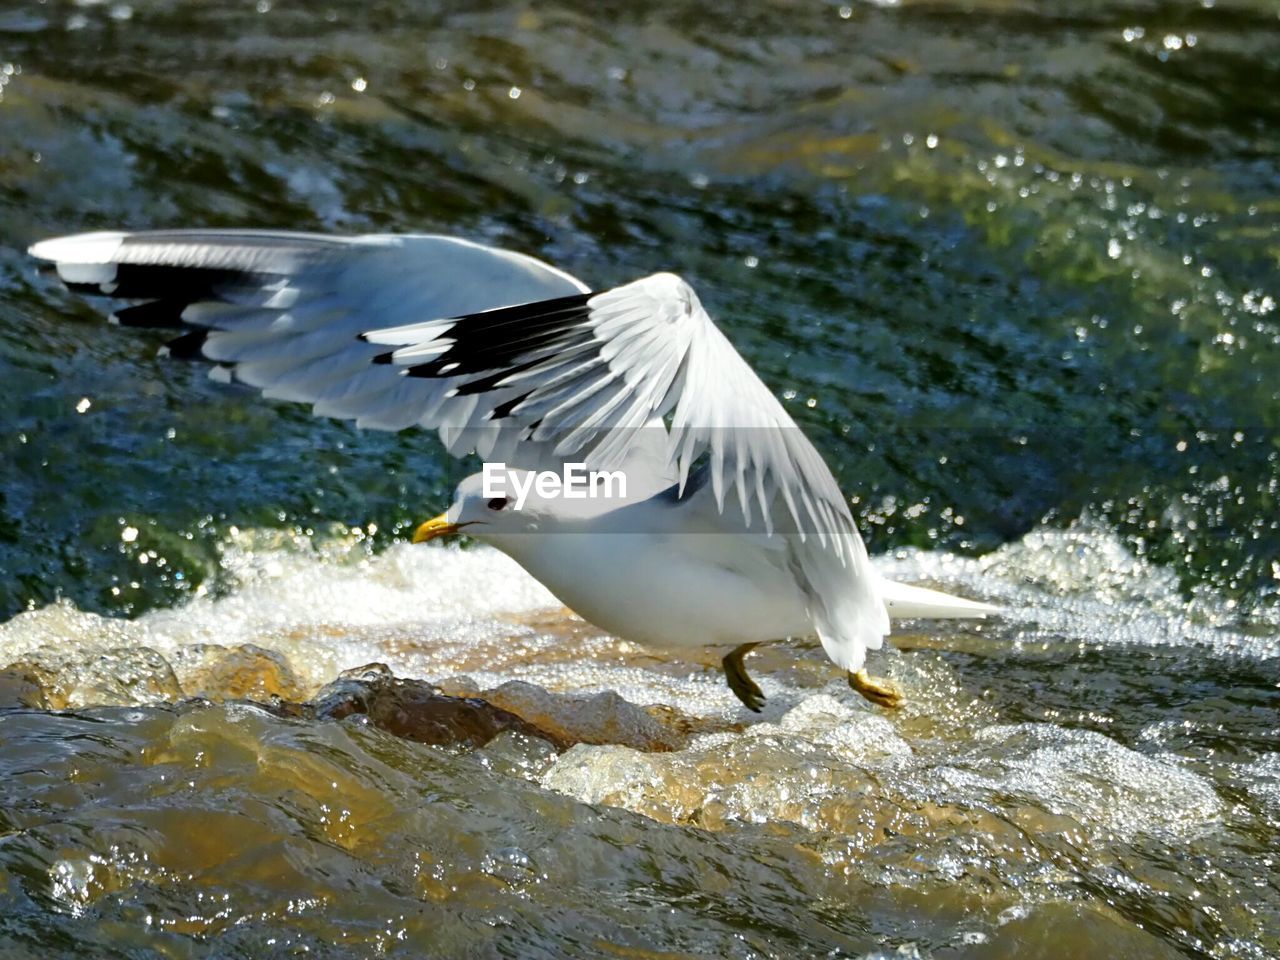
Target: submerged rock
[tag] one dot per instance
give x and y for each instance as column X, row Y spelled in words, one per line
column 242, row 672
column 600, row 718
column 21, row 687
column 141, row 676
column 416, row 710
column 117, row 676
column 811, row 768
column 89, row 675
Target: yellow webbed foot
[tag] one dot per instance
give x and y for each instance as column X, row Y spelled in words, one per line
column 878, row 690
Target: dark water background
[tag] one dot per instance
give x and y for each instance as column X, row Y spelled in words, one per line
column 1014, row 266
column 960, row 301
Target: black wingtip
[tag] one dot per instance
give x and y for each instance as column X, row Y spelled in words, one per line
column 83, row 289
column 507, row 407
column 385, row 358
column 156, row 314
column 189, row 346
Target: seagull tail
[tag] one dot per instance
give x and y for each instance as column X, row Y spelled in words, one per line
column 904, row 601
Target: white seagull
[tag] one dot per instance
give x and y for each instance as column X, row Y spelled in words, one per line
column 731, row 530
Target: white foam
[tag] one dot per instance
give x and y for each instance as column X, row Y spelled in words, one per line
column 323, row 612
column 1083, row 584
column 437, row 612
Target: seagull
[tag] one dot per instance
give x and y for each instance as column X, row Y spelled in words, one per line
column 725, row 527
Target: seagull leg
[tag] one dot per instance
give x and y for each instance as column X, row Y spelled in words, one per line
column 742, row 685
column 878, row 690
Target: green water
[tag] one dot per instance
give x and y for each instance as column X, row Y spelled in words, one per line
column 1014, row 267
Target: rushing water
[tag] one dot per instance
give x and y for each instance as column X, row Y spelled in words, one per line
column 1013, row 267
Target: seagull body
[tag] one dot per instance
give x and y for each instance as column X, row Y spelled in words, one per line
column 690, row 579
column 731, row 530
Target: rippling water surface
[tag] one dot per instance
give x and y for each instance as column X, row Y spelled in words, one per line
column 1013, row 266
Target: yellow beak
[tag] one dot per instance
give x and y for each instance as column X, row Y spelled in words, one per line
column 435, row 527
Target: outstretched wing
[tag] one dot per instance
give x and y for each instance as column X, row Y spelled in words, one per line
column 283, row 311
column 504, row 355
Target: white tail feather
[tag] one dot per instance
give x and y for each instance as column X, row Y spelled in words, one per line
column 904, row 601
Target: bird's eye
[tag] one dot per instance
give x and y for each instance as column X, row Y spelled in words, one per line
column 497, row 503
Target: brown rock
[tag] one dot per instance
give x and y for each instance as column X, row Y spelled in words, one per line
column 245, row 672
column 416, row 710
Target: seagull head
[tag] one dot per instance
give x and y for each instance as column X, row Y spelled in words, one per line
column 487, row 517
